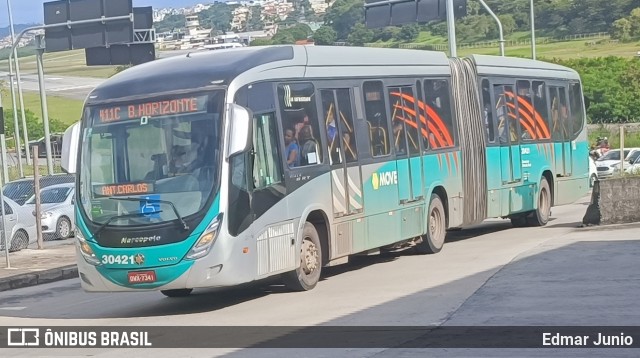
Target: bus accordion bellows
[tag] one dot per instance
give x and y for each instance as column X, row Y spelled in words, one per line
column 226, row 167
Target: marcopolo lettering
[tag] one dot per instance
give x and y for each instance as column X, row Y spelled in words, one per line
column 140, row 239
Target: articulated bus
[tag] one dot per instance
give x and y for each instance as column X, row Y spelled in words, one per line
column 221, row 168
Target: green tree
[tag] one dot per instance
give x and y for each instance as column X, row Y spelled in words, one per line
column 35, row 127
column 343, row 15
column 634, row 22
column 621, row 29
column 171, row 23
column 261, row 42
column 408, row 33
column 255, row 22
column 612, row 84
column 360, row 35
column 325, row 35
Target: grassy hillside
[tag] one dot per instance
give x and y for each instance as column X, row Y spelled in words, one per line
column 67, row 63
column 63, row 109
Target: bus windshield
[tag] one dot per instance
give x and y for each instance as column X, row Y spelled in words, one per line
column 155, row 157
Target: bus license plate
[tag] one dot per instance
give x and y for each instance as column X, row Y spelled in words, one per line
column 142, row 277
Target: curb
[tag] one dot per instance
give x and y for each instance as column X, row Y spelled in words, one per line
column 38, row 278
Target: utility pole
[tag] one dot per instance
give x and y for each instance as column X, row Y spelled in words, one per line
column 43, row 101
column 533, row 32
column 19, row 81
column 451, row 29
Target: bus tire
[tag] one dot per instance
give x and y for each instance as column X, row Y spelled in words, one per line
column 307, row 274
column 183, row 292
column 540, row 216
column 433, row 240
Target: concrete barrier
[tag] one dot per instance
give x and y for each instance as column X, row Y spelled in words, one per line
column 619, row 200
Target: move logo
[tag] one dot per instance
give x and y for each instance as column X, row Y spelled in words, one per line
column 384, row 179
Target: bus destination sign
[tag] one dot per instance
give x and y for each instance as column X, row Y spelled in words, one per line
column 168, row 107
column 123, row 189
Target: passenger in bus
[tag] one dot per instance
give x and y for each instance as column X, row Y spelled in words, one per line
column 292, row 151
column 299, row 124
column 398, row 137
column 309, row 151
column 349, row 150
column 178, row 164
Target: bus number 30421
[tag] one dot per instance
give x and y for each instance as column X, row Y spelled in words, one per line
column 118, row 259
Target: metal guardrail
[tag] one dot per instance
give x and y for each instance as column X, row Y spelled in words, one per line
column 487, row 44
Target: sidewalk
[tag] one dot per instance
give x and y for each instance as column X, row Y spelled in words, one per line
column 29, row 267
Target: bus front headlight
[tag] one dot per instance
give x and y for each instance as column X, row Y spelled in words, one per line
column 86, row 250
column 206, row 240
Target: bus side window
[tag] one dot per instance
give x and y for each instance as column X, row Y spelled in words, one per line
column 338, row 118
column 439, row 117
column 376, row 115
column 487, row 112
column 526, row 115
column 540, row 105
column 577, row 108
column 299, row 114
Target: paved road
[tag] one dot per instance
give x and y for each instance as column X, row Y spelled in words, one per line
column 488, row 275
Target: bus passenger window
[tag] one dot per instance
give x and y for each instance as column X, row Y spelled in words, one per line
column 487, row 112
column 439, row 116
column 346, row 125
column 541, row 110
column 376, row 115
column 405, row 121
column 526, row 114
column 299, row 114
column 577, row 108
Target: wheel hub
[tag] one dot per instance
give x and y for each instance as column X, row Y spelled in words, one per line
column 309, row 256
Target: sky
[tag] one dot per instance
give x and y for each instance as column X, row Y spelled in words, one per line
column 31, row 11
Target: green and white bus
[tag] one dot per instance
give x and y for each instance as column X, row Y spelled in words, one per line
column 224, row 167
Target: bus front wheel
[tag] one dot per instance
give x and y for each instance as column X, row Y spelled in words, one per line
column 184, row 292
column 307, row 275
column 433, row 241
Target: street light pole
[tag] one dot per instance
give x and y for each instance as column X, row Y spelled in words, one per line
column 15, row 57
column 533, row 33
column 451, row 29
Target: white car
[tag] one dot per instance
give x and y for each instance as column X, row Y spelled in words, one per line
column 593, row 172
column 57, row 210
column 19, row 226
column 634, row 168
column 608, row 163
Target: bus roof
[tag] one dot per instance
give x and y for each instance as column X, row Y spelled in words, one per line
column 513, row 66
column 207, row 68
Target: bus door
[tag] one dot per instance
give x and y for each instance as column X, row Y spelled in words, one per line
column 561, row 130
column 346, row 181
column 406, row 142
column 508, row 133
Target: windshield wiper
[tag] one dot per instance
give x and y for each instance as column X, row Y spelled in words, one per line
column 123, row 216
column 184, row 223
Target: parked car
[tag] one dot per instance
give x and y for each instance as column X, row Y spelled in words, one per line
column 634, row 168
column 55, row 140
column 19, row 226
column 57, row 210
column 593, row 172
column 611, row 160
column 22, row 189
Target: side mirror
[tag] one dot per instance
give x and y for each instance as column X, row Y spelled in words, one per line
column 241, row 120
column 70, row 143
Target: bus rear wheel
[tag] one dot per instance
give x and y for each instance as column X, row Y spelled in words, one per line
column 540, row 216
column 183, row 292
column 307, row 275
column 433, row 241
